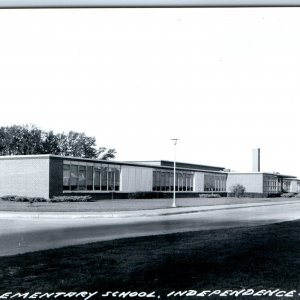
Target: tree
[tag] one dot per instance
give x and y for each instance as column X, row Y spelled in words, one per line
column 29, row 139
column 238, row 190
column 106, row 154
column 20, row 140
column 51, row 143
column 77, row 144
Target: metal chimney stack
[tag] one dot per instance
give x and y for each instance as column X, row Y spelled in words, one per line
column 256, row 160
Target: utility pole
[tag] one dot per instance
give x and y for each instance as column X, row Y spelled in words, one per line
column 174, row 184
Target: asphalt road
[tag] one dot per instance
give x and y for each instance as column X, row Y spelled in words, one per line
column 26, row 232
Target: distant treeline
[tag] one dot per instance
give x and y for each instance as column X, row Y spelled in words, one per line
column 29, row 139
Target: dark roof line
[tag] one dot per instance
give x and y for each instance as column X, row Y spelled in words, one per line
column 170, row 163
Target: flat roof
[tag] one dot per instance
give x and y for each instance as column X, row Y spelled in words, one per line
column 266, row 173
column 25, row 156
column 169, row 163
column 163, row 164
column 160, row 164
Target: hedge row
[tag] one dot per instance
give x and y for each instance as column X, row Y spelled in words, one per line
column 210, row 196
column 146, row 195
column 23, row 199
column 136, row 195
column 71, row 199
column 40, row 199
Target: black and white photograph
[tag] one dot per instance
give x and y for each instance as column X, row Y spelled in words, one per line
column 149, row 149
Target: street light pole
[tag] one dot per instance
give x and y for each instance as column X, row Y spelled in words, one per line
column 174, row 184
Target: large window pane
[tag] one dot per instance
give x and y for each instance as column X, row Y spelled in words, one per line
column 74, row 177
column 117, row 179
column 176, row 181
column 167, row 181
column 172, row 181
column 185, row 176
column 156, row 180
column 89, row 178
column 97, row 179
column 214, row 182
column 66, row 177
column 164, row 181
column 180, row 181
column 82, row 178
column 272, row 184
column 208, row 183
column 111, row 179
column 104, row 182
column 189, row 183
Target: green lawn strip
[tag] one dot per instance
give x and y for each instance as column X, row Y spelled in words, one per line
column 253, row 257
column 127, row 205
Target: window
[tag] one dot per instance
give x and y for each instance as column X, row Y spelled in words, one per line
column 286, row 185
column 82, row 178
column 190, row 183
column 97, row 172
column 180, row 181
column 96, row 177
column 74, row 177
column 117, row 179
column 66, row 177
column 172, row 181
column 214, row 183
column 111, row 179
column 103, row 178
column 89, row 178
column 272, row 184
column 184, row 186
column 164, row 181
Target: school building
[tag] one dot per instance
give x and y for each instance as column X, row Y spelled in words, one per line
column 50, row 175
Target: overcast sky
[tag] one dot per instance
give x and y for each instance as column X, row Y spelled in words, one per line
column 223, row 81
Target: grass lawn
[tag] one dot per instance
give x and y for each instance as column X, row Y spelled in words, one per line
column 126, row 205
column 254, row 257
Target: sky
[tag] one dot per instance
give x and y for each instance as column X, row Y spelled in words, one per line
column 221, row 80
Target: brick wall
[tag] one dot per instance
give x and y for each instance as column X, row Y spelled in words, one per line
column 252, row 182
column 24, row 176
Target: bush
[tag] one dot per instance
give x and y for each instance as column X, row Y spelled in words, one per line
column 297, row 195
column 9, row 198
column 238, row 190
column 146, row 195
column 209, row 195
column 23, row 199
column 83, row 198
column 287, row 195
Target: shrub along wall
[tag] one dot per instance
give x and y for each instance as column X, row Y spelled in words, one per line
column 140, row 195
column 255, row 195
column 23, row 199
column 210, row 196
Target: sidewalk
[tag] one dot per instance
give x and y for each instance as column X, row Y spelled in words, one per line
column 142, row 213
